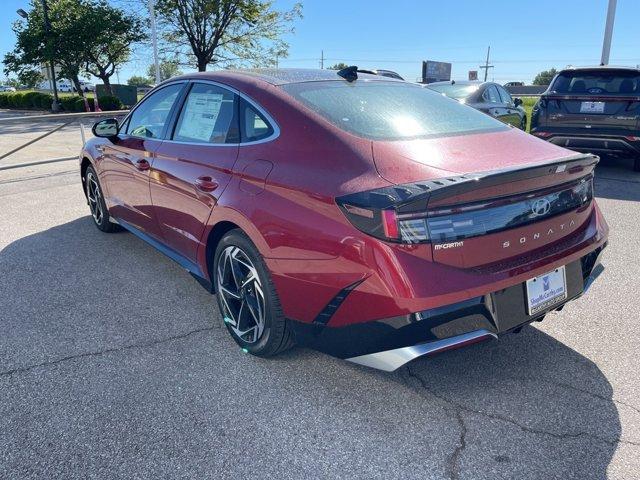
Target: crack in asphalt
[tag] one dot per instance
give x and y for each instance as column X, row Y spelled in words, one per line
column 98, row 353
column 453, row 466
column 462, row 408
column 593, row 394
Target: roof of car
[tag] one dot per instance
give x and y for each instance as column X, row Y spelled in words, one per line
column 281, row 76
column 456, row 82
column 602, row 67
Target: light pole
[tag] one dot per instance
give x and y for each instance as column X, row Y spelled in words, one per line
column 154, row 39
column 608, row 32
column 55, row 105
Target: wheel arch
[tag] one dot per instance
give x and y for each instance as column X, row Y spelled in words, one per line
column 84, row 164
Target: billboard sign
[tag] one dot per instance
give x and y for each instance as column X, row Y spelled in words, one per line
column 435, row 71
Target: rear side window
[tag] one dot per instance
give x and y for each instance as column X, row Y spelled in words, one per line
column 382, row 110
column 597, row 82
column 253, row 125
column 208, row 116
column 150, row 117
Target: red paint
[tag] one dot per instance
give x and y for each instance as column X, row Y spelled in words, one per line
column 282, row 194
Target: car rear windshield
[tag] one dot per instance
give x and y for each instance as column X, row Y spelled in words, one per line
column 455, row 91
column 597, row 82
column 382, row 110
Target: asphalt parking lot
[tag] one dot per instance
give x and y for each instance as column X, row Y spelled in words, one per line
column 114, row 364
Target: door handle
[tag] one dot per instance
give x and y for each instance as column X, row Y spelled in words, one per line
column 142, row 164
column 206, row 184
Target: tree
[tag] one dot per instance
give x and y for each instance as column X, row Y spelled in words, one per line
column 139, row 81
column 114, row 32
column 168, row 69
column 29, row 78
column 87, row 35
column 227, row 32
column 338, row 66
column 545, row 77
column 35, row 47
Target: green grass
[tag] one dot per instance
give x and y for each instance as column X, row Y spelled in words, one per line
column 527, row 104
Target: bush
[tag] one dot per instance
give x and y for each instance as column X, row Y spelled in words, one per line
column 26, row 100
column 109, row 102
column 74, row 103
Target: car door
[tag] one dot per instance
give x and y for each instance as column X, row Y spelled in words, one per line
column 512, row 114
column 128, row 158
column 493, row 103
column 193, row 166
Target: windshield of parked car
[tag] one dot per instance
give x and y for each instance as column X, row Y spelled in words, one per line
column 390, row 110
column 456, row 91
column 597, row 82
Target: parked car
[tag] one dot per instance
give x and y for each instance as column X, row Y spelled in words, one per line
column 514, row 84
column 488, row 97
column 363, row 216
column 7, row 88
column 592, row 109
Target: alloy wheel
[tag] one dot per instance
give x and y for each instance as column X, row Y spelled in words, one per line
column 241, row 294
column 95, row 198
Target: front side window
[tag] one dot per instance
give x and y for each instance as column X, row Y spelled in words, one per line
column 150, row 117
column 382, row 110
column 505, row 96
column 208, row 116
column 491, row 95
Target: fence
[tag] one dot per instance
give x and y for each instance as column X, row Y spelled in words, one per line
column 65, row 118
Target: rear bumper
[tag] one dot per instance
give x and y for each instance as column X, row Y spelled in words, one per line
column 592, row 142
column 389, row 343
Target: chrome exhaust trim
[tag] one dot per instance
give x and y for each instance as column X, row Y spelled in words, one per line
column 391, row 360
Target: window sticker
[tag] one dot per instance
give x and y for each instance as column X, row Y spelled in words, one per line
column 200, row 116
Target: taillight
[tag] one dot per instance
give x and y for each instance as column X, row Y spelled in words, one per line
column 380, row 212
column 401, row 214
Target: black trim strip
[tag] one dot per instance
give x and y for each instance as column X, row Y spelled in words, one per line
column 327, row 312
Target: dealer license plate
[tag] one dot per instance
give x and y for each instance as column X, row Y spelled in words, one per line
column 546, row 290
column 592, row 107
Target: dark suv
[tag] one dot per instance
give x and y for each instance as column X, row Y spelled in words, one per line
column 592, row 109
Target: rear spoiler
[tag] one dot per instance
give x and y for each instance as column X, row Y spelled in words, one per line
column 413, row 197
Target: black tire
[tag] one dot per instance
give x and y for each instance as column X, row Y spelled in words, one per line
column 97, row 206
column 636, row 164
column 276, row 335
column 523, row 124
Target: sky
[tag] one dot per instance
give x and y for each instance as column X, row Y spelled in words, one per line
column 525, row 36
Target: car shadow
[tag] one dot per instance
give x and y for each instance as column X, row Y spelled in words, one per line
column 616, row 180
column 526, row 406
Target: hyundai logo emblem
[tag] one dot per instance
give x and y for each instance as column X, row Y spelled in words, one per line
column 540, row 207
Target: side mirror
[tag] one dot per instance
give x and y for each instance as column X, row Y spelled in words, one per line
column 106, row 128
column 517, row 102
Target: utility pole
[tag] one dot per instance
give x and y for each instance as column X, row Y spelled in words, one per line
column 154, row 39
column 608, row 32
column 321, row 59
column 486, row 66
column 55, row 105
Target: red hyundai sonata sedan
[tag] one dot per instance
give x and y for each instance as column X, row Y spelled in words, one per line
column 359, row 215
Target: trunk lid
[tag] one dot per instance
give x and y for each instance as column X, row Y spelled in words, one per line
column 496, row 197
column 591, row 111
